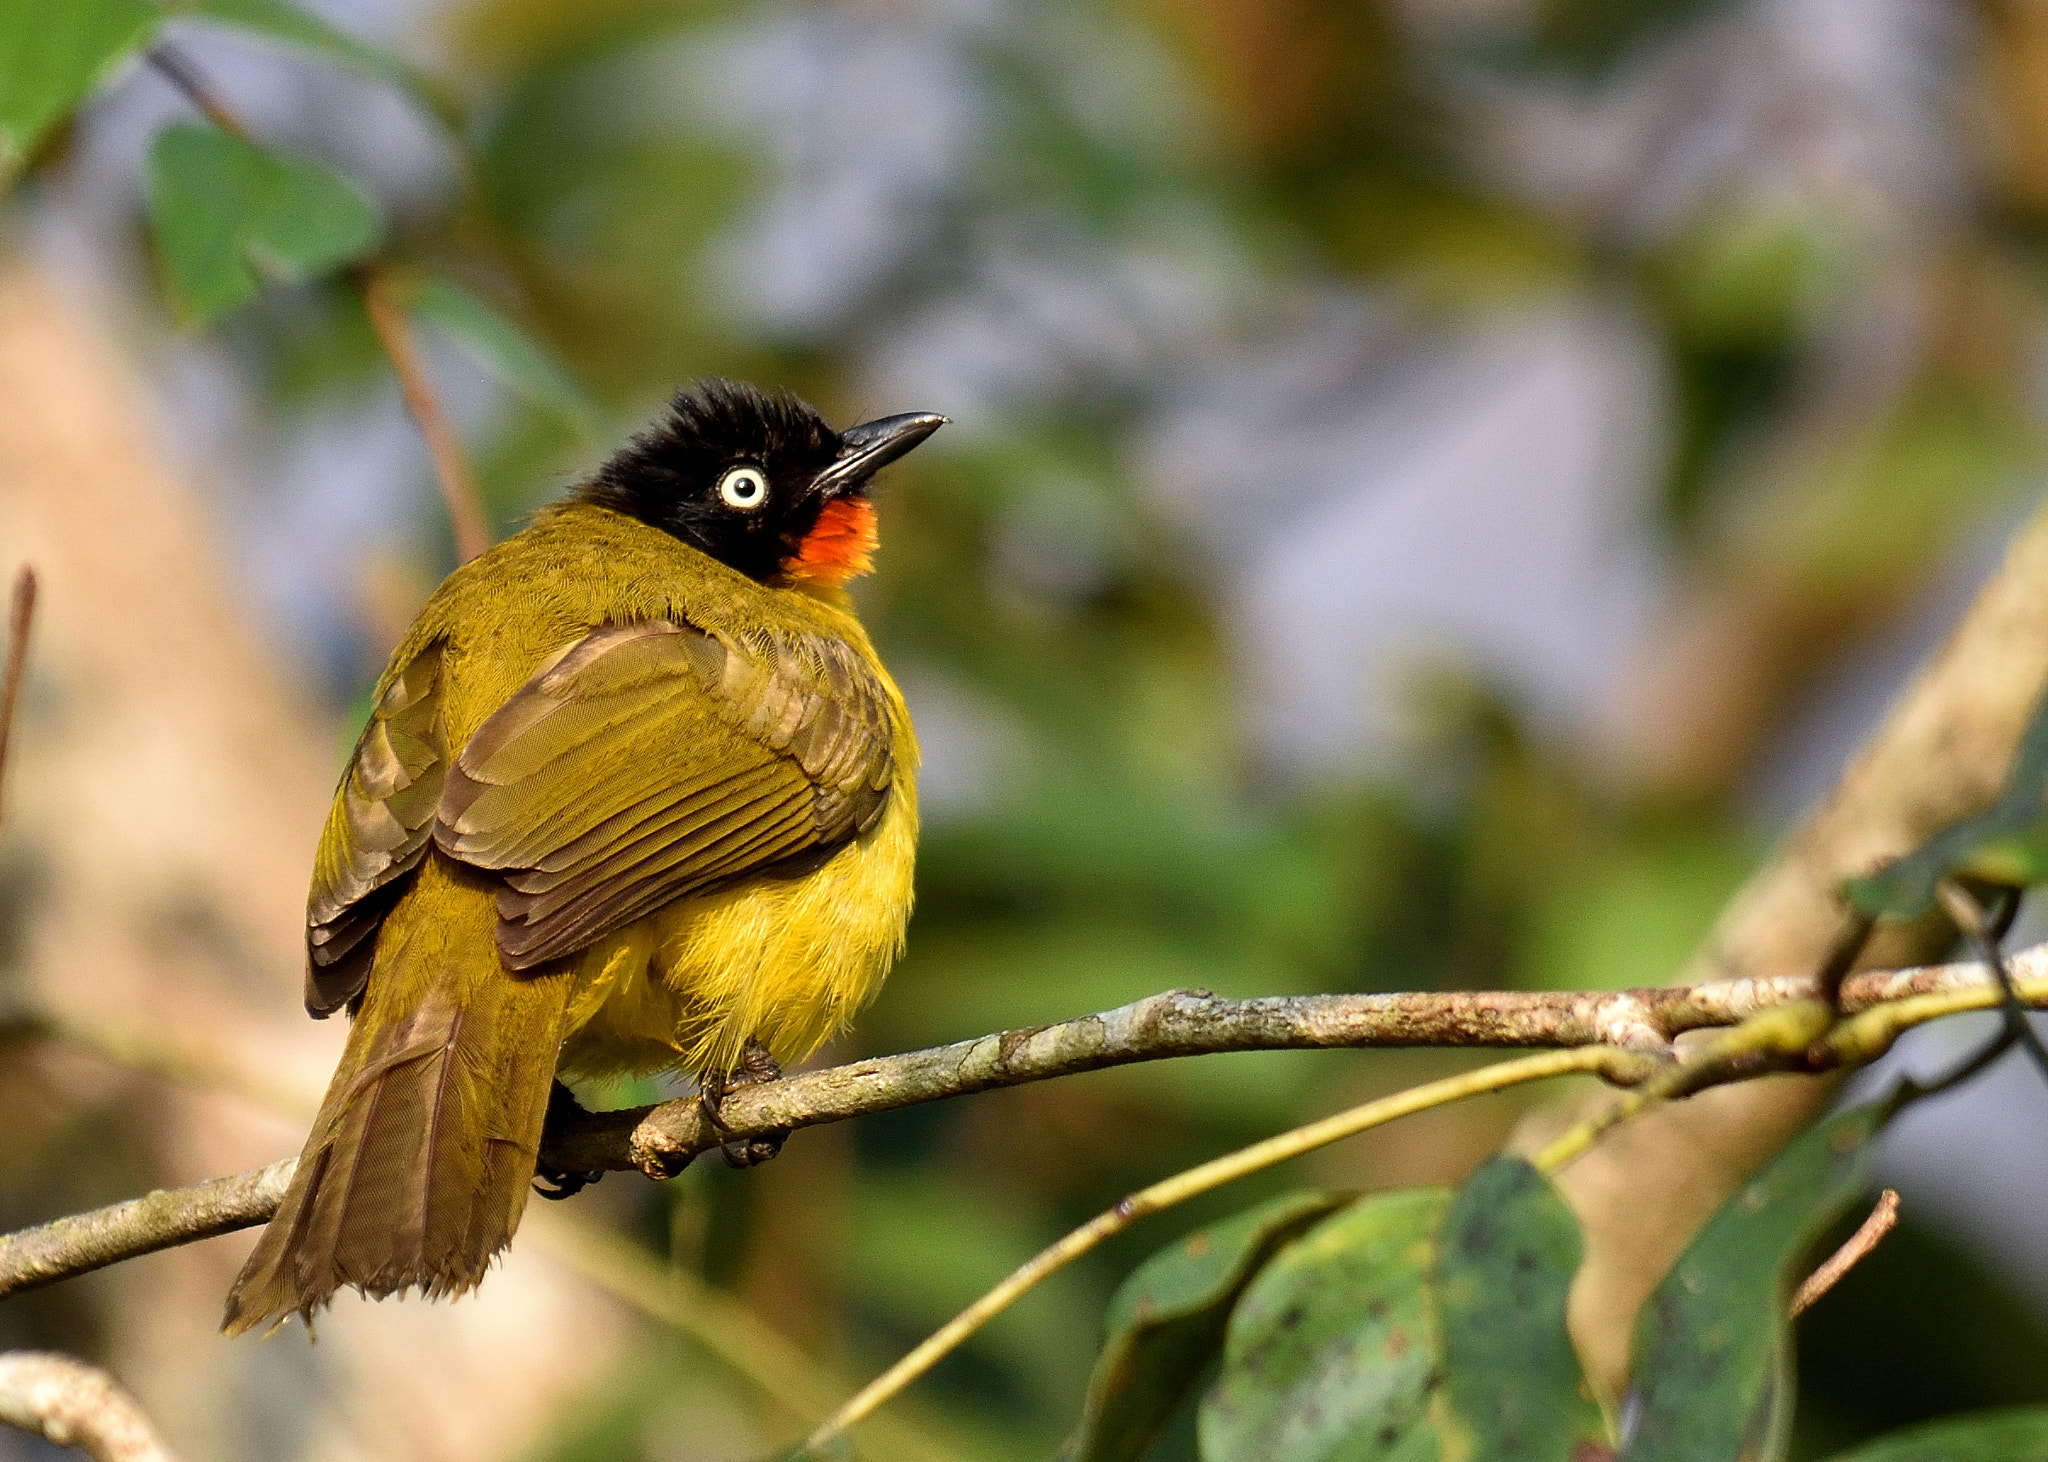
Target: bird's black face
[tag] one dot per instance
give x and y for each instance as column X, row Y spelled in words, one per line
column 748, row 477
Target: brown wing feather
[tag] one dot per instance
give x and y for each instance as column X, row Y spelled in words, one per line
column 652, row 760
column 377, row 831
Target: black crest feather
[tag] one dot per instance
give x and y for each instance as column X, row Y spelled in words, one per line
column 668, row 475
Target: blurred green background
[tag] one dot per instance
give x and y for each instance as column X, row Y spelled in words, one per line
column 1436, row 486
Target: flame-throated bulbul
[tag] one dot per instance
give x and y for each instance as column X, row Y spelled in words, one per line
column 635, row 795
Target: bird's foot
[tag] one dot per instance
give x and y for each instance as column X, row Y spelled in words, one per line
column 556, row 1185
column 756, row 1066
column 552, row 1182
column 754, row 1151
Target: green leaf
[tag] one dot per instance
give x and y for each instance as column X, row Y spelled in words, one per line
column 281, row 21
column 2017, row 1435
column 1513, row 1386
column 1713, row 1363
column 497, row 345
column 2006, row 843
column 222, row 206
column 1331, row 1352
column 1166, row 1323
column 52, row 54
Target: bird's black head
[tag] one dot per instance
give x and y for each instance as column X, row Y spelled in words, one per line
column 757, row 480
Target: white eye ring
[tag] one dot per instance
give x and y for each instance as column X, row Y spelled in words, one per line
column 743, row 487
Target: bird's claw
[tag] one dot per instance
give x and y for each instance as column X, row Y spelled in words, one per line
column 555, row 1185
column 756, row 1066
column 752, row 1152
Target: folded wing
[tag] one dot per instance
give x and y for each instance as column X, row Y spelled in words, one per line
column 377, row 831
column 654, row 760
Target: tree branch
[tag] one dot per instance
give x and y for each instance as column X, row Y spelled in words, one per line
column 76, row 1405
column 452, row 474
column 161, row 1220
column 467, row 520
column 661, row 1140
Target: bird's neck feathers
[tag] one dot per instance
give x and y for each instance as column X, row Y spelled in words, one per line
column 840, row 546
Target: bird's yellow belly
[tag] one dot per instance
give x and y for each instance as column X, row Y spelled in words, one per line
column 783, row 961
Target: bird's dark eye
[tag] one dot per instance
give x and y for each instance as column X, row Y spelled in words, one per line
column 744, row 488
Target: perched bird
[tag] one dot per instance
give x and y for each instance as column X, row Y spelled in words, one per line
column 636, row 795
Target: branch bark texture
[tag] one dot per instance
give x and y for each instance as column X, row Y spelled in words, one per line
column 76, row 1405
column 160, row 1220
column 661, row 1140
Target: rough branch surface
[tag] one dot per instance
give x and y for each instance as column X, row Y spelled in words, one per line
column 76, row 1405
column 160, row 1220
column 661, row 1140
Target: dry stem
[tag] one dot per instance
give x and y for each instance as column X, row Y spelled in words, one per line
column 76, row 1405
column 452, row 474
column 182, row 74
column 1867, row 1237
column 451, row 464
column 20, row 614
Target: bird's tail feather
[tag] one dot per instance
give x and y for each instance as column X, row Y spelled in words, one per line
column 419, row 1164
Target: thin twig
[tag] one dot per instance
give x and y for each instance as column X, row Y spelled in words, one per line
column 452, row 472
column 2008, row 911
column 1867, row 1237
column 1842, row 957
column 20, row 615
column 1607, row 1061
column 76, row 1405
column 181, row 73
column 1807, row 1035
column 1780, row 1039
column 1968, row 1069
column 1962, row 906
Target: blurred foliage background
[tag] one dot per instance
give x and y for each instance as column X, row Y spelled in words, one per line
column 1436, row 485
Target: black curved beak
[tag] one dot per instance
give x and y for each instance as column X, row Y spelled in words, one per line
column 872, row 446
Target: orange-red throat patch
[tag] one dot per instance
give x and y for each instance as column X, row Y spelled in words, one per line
column 840, row 545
